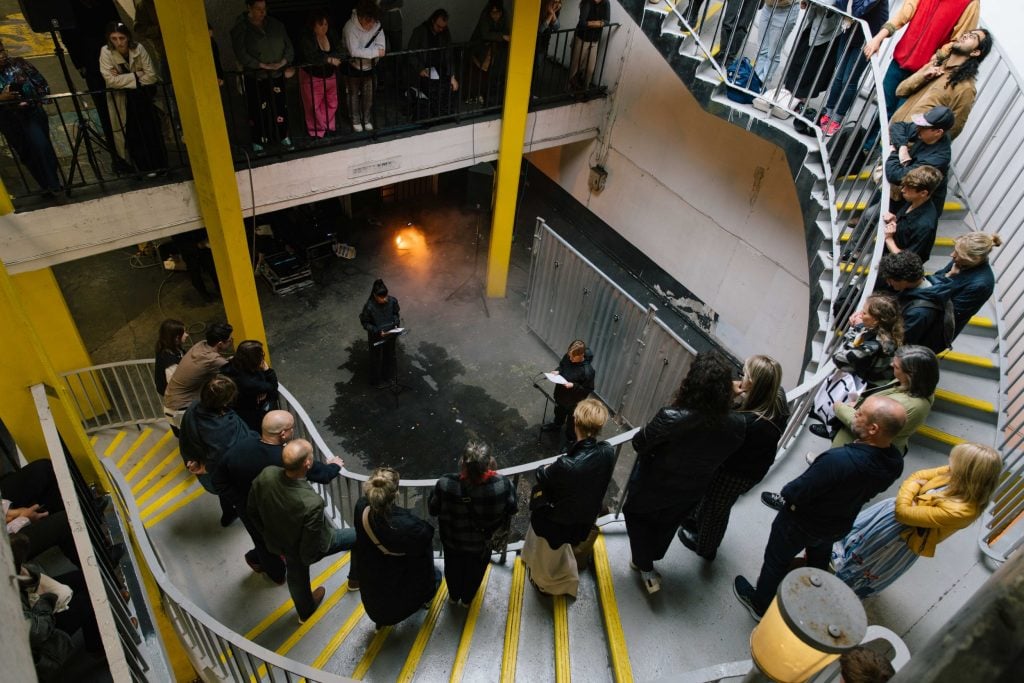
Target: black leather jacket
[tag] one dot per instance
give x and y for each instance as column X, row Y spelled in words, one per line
column 677, row 454
column 582, row 377
column 576, row 484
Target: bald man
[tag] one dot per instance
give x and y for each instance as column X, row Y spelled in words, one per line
column 822, row 503
column 242, row 463
column 289, row 514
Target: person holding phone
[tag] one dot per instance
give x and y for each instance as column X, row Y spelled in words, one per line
column 23, row 121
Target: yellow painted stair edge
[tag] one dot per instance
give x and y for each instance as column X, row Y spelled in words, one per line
column 967, row 359
column 966, row 401
column 939, row 435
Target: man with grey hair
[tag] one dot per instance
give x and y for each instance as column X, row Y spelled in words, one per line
column 243, row 462
column 289, row 514
column 820, row 506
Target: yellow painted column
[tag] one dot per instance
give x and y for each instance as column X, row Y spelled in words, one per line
column 183, row 25
column 510, row 149
column 24, row 361
column 48, row 313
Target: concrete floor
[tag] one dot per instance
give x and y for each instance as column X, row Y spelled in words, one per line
column 469, row 362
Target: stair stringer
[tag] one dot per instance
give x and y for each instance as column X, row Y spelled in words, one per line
column 806, row 157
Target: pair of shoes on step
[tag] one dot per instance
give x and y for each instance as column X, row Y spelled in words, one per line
column 780, row 105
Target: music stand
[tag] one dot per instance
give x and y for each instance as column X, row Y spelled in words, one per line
column 548, row 398
column 394, row 387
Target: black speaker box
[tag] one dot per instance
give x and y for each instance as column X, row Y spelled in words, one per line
column 44, row 16
column 480, row 186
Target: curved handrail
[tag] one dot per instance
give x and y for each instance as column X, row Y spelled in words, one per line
column 219, row 643
column 874, row 113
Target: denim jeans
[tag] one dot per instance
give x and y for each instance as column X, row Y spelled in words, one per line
column 785, row 541
column 298, row 573
column 847, row 82
column 774, row 24
column 894, row 75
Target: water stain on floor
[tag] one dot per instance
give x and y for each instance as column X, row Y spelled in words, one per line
column 422, row 430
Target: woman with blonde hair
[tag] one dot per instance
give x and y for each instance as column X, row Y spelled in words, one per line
column 395, row 553
column 762, row 404
column 931, row 506
column 968, row 278
column 566, row 502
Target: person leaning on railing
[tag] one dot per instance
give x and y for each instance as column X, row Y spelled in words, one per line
column 431, row 64
column 594, row 16
column 320, row 50
column 129, row 75
column 950, row 83
column 931, row 26
column 488, row 53
column 263, row 48
column 932, row 505
column 24, row 122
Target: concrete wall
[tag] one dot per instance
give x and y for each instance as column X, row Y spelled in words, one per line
column 713, row 205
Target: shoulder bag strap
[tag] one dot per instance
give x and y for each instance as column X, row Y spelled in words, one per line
column 373, row 536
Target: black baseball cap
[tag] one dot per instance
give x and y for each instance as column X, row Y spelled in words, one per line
column 936, row 117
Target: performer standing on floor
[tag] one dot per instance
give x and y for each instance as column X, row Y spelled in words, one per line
column 578, row 373
column 379, row 318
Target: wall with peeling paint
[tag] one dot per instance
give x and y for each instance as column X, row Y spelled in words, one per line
column 713, row 205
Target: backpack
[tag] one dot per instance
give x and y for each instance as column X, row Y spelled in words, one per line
column 943, row 336
column 741, row 73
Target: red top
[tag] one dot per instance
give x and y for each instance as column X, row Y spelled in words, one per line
column 930, row 29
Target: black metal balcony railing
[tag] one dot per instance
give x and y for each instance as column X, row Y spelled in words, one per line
column 131, row 138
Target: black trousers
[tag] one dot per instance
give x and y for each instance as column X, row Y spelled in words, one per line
column 651, row 533
column 383, row 360
column 463, row 573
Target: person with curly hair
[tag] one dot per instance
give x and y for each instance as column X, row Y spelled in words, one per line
column 762, row 404
column 950, row 82
column 677, row 453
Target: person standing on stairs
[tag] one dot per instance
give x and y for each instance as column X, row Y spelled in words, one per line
column 913, row 226
column 916, row 369
column 202, row 362
column 285, row 509
column 209, row 428
column 822, row 503
column 395, row 551
column 968, row 278
column 932, row 505
column 170, row 349
column 472, row 506
column 565, row 503
column 762, row 404
column 927, row 311
column 594, row 16
column 950, row 82
column 922, row 141
column 239, row 467
column 677, row 454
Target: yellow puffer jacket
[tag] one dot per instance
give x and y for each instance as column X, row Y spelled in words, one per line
column 920, row 504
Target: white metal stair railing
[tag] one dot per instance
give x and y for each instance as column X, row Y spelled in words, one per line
column 990, row 174
column 830, row 170
column 131, row 642
column 215, row 650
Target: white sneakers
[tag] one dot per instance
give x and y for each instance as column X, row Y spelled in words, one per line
column 778, row 106
column 357, row 127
